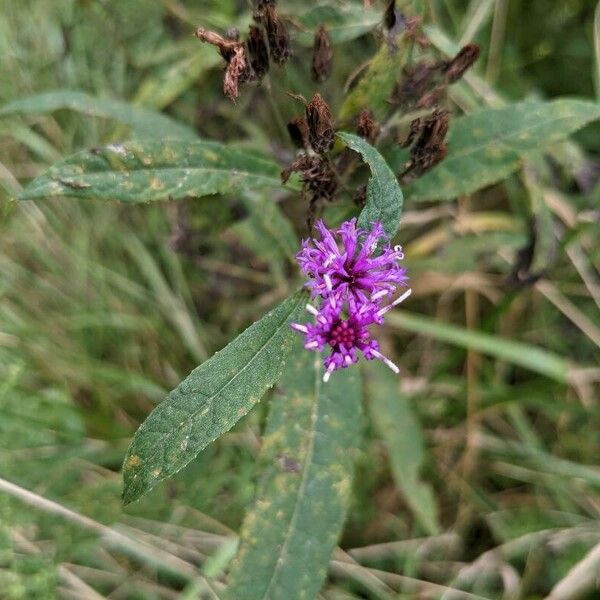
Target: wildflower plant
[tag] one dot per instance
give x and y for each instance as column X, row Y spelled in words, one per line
column 354, row 274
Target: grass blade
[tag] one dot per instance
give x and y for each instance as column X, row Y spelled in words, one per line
column 526, row 356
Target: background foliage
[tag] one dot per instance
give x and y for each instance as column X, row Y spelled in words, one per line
column 478, row 471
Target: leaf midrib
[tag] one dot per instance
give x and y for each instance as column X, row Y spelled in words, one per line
column 210, row 399
column 145, row 170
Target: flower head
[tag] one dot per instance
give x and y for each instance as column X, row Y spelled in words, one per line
column 354, row 273
column 345, row 335
column 349, row 266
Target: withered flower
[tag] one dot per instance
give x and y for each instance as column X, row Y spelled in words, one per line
column 320, row 125
column 424, row 84
column 258, row 52
column 418, row 81
column 298, row 130
column 277, row 35
column 429, row 146
column 318, row 177
column 466, row 56
column 234, row 73
column 316, row 173
column 367, row 127
column 233, row 51
column 322, row 55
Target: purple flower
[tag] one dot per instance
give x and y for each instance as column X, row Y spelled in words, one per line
column 350, row 266
column 346, row 335
column 352, row 275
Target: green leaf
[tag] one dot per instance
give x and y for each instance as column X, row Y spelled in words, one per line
column 307, row 457
column 486, row 146
column 401, row 431
column 145, row 123
column 525, row 355
column 210, row 400
column 163, row 88
column 344, row 23
column 145, row 171
column 384, row 196
column 375, row 87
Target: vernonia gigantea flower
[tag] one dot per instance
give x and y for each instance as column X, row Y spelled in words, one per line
column 353, row 277
column 350, row 266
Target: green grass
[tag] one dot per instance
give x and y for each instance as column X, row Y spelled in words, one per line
column 100, row 317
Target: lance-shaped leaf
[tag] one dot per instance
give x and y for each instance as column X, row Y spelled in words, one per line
column 488, row 145
column 384, row 196
column 376, row 86
column 307, row 461
column 146, row 171
column 210, row 400
column 401, row 431
column 144, row 123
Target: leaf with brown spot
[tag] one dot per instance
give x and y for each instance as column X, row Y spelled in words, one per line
column 306, row 462
column 145, row 171
column 211, row 399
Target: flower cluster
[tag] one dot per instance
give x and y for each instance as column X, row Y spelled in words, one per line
column 353, row 273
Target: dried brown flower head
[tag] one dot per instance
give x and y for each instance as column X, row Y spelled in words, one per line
column 367, row 127
column 258, row 52
column 262, row 4
column 234, row 73
column 238, row 69
column 298, row 130
column 427, row 137
column 465, row 58
column 322, row 55
column 319, row 180
column 277, row 35
column 424, row 85
column 418, row 80
column 320, row 125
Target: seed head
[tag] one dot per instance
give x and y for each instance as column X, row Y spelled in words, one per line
column 320, row 125
column 322, row 55
column 277, row 35
column 258, row 52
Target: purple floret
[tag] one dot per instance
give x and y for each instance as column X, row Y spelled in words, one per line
column 352, row 272
column 350, row 265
